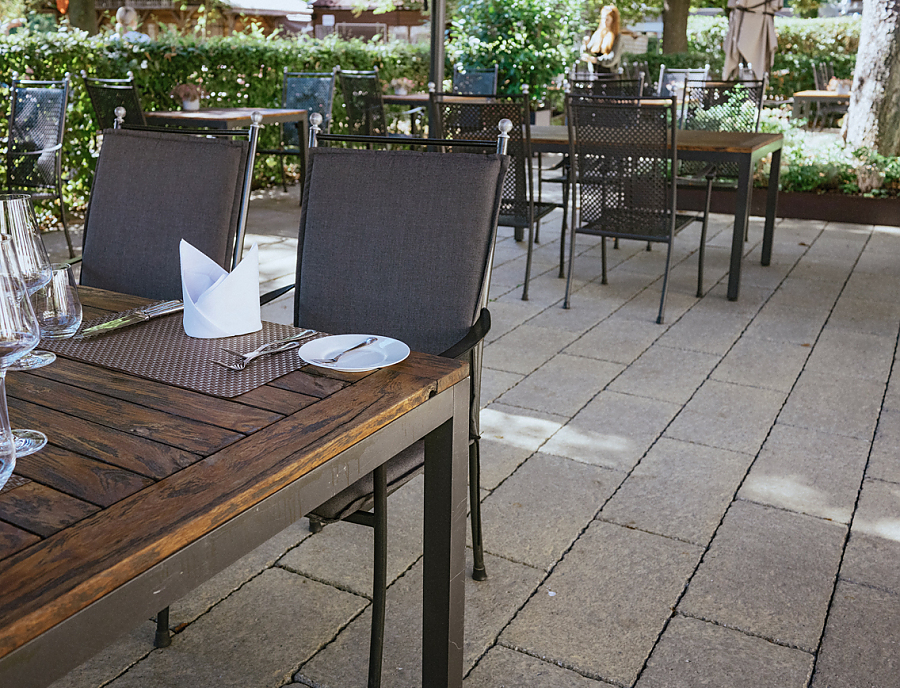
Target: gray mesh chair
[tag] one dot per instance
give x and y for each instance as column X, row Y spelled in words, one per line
column 364, row 104
column 190, row 185
column 474, row 82
column 671, row 81
column 421, row 226
column 624, row 158
column 37, row 124
column 823, row 73
column 310, row 91
column 108, row 94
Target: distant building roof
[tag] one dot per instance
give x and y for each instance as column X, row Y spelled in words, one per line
column 344, row 5
column 271, row 8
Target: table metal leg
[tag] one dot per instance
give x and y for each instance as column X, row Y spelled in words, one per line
column 443, row 594
column 741, row 220
column 771, row 208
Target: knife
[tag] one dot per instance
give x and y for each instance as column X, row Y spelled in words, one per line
column 142, row 315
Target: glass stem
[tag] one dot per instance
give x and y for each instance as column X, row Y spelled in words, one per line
column 7, row 441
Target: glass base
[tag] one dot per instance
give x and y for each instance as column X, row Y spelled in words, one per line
column 29, row 441
column 36, row 359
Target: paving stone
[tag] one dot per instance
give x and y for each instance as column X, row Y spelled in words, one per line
column 808, row 472
column 822, row 268
column 526, row 348
column 540, row 510
column 804, row 293
column 583, row 313
column 769, row 573
column 786, row 323
column 256, row 637
column 616, row 339
column 613, row 430
column 758, row 363
column 496, row 382
column 861, row 647
column 869, row 317
column 874, row 548
column 508, row 315
column 504, row 668
column 752, row 298
column 728, row 416
column 679, row 490
column 666, row 374
column 852, row 354
column 695, row 653
column 499, row 460
column 490, row 605
column 518, row 427
column 563, row 385
column 705, row 329
column 883, row 463
column 608, row 628
column 842, row 406
column 112, row 660
column 870, row 287
column 645, row 306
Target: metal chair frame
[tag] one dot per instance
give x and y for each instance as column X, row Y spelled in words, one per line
column 668, row 77
column 364, row 103
column 474, row 82
column 108, row 94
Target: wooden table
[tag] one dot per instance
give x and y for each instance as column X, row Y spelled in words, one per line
column 744, row 149
column 805, row 101
column 223, row 118
column 416, row 99
column 146, row 490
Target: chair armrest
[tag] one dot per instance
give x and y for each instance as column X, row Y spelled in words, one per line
column 72, row 261
column 476, row 333
column 274, row 294
column 22, row 153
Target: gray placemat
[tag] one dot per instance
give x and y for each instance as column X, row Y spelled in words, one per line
column 160, row 350
column 14, row 482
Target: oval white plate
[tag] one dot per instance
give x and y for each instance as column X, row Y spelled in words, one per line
column 380, row 354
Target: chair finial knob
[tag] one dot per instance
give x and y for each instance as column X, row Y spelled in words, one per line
column 256, row 118
column 526, row 89
column 316, row 119
column 505, row 126
column 120, row 117
column 432, row 87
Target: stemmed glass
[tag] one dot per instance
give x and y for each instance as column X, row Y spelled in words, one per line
column 19, row 334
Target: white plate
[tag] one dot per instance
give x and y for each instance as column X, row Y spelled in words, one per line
column 379, row 354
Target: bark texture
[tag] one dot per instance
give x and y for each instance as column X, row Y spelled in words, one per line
column 83, row 15
column 675, row 21
column 873, row 120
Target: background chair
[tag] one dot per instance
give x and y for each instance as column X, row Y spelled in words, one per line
column 37, row 125
column 108, row 94
column 823, row 73
column 469, row 117
column 624, row 157
column 671, row 81
column 474, row 82
column 432, row 290
column 364, row 102
column 310, row 91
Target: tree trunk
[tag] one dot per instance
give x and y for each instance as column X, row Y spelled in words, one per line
column 83, row 15
column 675, row 20
column 873, row 119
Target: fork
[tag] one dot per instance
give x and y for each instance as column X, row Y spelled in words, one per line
column 334, row 359
column 275, row 347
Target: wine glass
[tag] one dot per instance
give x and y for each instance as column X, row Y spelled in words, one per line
column 19, row 334
column 56, row 305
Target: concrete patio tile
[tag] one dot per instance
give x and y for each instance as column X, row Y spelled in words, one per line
column 616, row 339
column 883, row 462
column 705, row 329
column 878, row 261
column 678, row 490
column 606, row 629
column 517, row 427
column 499, row 460
column 870, row 287
column 728, row 416
column 496, row 382
column 508, row 315
column 822, row 268
column 805, row 293
column 785, row 323
column 563, row 385
column 341, row 555
column 869, row 317
column 861, row 647
column 666, row 374
column 808, row 472
column 490, row 605
column 614, row 430
column 842, row 406
column 758, row 363
column 752, row 298
column 505, row 668
column 526, row 348
column 874, row 547
column 112, row 660
column 584, row 312
column 645, row 306
column 767, row 276
column 694, row 653
column 256, row 637
column 892, row 395
column 768, row 572
column 535, row 515
column 843, row 353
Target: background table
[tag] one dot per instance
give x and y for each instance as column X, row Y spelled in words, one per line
column 223, row 118
column 805, row 100
column 147, row 490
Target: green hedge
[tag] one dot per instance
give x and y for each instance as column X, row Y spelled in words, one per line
column 242, row 70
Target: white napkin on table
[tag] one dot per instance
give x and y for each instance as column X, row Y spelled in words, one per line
column 216, row 303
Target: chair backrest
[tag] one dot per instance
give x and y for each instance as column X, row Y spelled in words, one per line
column 37, row 123
column 153, row 188
column 108, row 94
column 607, row 87
column 476, row 82
column 624, row 163
column 310, row 91
column 397, row 243
column 363, row 102
column 722, row 105
column 671, row 81
column 822, row 74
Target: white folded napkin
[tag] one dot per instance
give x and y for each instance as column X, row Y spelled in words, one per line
column 216, row 303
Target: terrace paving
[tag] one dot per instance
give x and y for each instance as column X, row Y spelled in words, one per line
column 710, row 502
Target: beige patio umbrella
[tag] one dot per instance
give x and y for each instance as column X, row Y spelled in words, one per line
column 751, row 36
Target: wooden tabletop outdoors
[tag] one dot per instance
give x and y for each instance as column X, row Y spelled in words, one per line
column 226, row 118
column 137, row 469
column 688, row 139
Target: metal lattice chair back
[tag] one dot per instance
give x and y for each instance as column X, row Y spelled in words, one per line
column 474, row 82
column 108, row 94
column 37, row 121
column 671, row 81
column 310, row 91
column 364, row 103
column 628, row 88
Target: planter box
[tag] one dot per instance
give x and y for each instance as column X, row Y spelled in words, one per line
column 834, row 207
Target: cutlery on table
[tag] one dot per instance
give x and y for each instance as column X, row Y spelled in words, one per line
column 334, row 359
column 279, row 345
column 142, row 315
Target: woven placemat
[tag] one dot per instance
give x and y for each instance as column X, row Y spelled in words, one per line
column 160, row 350
column 14, row 482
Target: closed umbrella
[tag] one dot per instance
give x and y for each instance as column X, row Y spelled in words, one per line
column 751, row 36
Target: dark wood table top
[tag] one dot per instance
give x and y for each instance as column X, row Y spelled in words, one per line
column 137, row 469
column 222, row 118
column 422, row 99
column 821, row 95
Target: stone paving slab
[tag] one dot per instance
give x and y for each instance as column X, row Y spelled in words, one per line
column 861, row 646
column 870, row 359
column 883, row 462
column 839, row 405
column 607, row 629
column 615, row 339
column 112, row 660
column 680, row 490
column 786, row 323
column 874, row 548
column 758, row 363
column 705, row 329
column 666, row 374
column 496, row 382
column 871, row 287
column 525, row 349
column 518, row 427
column 869, row 317
column 769, row 573
column 805, row 293
column 808, row 472
column 504, row 668
column 508, row 315
column 499, row 460
column 693, row 653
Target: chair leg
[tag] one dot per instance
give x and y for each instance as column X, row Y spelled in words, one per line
column 283, row 174
column 562, row 233
column 572, row 226
column 62, row 216
column 379, row 578
column 665, row 286
column 528, row 258
column 315, row 524
column 703, row 242
column 163, row 637
column 479, row 573
column 603, row 259
column 616, row 243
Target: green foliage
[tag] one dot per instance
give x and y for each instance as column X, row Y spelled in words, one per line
column 801, row 173
column 532, row 41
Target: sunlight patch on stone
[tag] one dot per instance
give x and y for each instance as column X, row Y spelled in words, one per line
column 790, row 492
column 595, row 448
column 887, row 528
column 516, row 430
